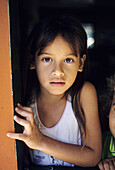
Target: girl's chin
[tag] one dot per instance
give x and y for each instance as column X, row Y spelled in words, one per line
column 57, row 92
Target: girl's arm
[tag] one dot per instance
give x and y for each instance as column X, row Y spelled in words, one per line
column 89, row 155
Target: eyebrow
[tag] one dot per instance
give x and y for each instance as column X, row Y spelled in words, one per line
column 45, row 53
column 42, row 53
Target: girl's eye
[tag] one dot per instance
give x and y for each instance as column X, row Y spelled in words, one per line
column 47, row 59
column 68, row 60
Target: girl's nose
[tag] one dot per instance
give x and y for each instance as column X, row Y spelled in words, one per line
column 57, row 70
column 57, row 73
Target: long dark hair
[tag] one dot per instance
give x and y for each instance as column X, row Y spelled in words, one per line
column 72, row 31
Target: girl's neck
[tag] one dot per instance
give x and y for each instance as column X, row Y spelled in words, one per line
column 51, row 99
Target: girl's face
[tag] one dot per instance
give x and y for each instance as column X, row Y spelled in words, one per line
column 112, row 117
column 57, row 67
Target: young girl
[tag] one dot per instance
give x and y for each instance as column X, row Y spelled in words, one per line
column 108, row 153
column 61, row 126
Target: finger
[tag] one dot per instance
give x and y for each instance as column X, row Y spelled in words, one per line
column 21, row 112
column 18, row 136
column 29, row 109
column 100, row 165
column 27, row 113
column 106, row 165
column 111, row 165
column 113, row 159
column 22, row 122
column 24, row 111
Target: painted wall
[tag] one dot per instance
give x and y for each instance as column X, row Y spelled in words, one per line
column 7, row 146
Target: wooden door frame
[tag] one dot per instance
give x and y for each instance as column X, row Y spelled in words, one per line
column 7, row 146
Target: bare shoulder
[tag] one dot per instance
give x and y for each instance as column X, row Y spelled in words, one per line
column 88, row 91
column 88, row 86
column 88, row 98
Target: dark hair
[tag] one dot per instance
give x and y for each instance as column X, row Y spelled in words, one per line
column 72, row 31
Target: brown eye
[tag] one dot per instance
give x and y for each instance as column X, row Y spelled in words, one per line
column 68, row 60
column 47, row 59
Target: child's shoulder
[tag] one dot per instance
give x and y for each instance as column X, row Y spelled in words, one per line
column 88, row 89
column 88, row 95
column 87, row 84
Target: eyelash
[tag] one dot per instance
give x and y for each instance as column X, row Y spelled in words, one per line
column 48, row 59
column 70, row 60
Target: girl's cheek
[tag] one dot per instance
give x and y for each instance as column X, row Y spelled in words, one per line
column 112, row 111
column 112, row 120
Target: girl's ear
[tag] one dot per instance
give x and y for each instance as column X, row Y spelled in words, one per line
column 32, row 66
column 82, row 63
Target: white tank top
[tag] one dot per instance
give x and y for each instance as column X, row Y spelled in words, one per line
column 66, row 130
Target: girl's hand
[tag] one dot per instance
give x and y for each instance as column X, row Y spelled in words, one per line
column 107, row 164
column 31, row 134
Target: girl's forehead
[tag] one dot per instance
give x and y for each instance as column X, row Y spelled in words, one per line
column 59, row 43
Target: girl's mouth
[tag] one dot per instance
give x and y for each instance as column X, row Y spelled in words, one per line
column 57, row 84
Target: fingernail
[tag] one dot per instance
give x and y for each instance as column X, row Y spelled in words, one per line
column 15, row 117
column 8, row 134
column 16, row 108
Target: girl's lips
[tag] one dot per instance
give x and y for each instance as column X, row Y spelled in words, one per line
column 57, row 83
